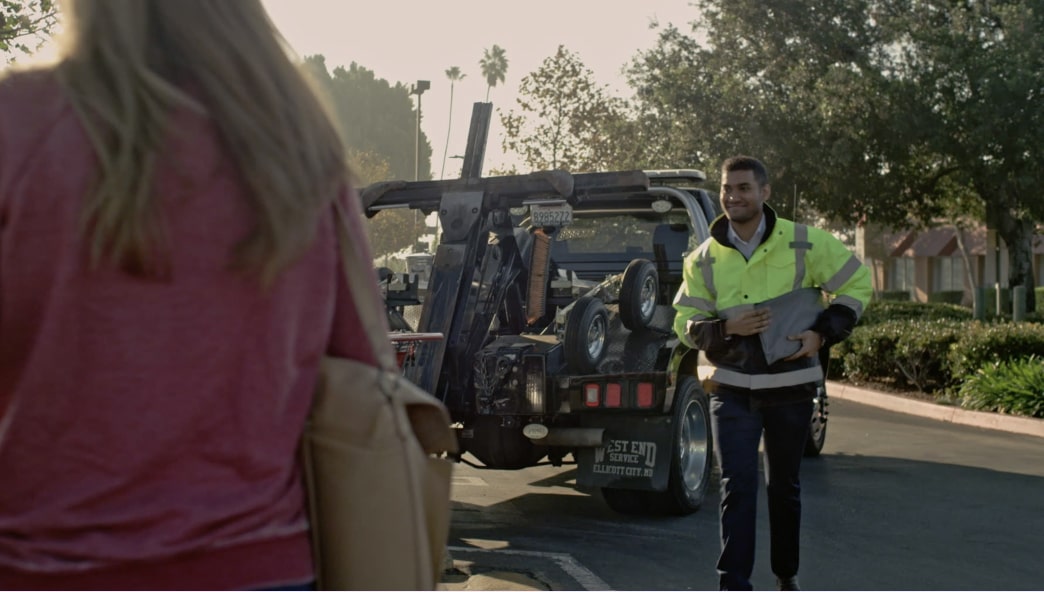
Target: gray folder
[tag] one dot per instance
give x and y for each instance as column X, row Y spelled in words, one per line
column 792, row 313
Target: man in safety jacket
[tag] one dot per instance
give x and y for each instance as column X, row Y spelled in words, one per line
column 752, row 302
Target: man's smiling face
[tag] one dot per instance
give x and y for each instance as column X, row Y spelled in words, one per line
column 741, row 196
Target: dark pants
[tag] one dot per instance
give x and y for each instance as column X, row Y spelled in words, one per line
column 737, row 427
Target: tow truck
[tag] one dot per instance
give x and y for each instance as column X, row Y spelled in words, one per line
column 551, row 293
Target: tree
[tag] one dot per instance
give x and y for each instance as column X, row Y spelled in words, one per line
column 795, row 84
column 374, row 116
column 390, row 231
column 979, row 68
column 564, row 119
column 453, row 74
column 901, row 112
column 494, row 65
column 377, row 121
column 24, row 20
column 683, row 102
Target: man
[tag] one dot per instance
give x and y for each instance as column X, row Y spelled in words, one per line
column 751, row 301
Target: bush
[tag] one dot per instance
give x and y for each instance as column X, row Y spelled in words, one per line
column 879, row 312
column 983, row 344
column 921, row 356
column 869, row 354
column 937, row 347
column 1008, row 387
column 903, row 353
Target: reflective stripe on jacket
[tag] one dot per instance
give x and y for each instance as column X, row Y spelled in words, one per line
column 719, row 283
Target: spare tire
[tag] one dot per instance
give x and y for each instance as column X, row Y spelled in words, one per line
column 586, row 335
column 638, row 294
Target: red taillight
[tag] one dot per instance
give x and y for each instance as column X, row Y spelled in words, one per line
column 591, row 395
column 613, row 395
column 645, row 394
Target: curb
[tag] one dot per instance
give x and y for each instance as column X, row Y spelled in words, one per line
column 1016, row 424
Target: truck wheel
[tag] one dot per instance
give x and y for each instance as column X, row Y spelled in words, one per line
column 690, row 462
column 501, row 447
column 638, row 294
column 586, row 332
column 691, row 457
column 818, row 427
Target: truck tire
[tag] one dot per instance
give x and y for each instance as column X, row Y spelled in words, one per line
column 691, row 457
column 639, row 291
column 501, row 447
column 690, row 461
column 817, row 427
column 586, row 335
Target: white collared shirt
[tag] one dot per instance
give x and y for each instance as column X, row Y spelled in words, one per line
column 747, row 247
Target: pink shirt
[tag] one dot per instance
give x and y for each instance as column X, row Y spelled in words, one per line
column 148, row 429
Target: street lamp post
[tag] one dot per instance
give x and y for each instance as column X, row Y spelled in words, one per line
column 418, row 89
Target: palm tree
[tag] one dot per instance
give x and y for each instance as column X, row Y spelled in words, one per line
column 494, row 65
column 454, row 74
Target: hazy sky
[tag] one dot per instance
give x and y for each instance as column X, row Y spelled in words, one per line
column 409, row 40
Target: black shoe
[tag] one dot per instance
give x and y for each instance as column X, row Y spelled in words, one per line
column 788, row 583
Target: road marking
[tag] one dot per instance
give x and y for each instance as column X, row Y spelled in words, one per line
column 583, row 576
column 466, row 480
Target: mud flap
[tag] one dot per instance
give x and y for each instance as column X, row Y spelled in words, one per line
column 636, row 455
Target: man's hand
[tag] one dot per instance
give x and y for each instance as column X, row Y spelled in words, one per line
column 750, row 322
column 810, row 344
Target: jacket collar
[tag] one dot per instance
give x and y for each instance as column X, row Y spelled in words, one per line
column 720, row 227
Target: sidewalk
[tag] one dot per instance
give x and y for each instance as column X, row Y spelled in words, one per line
column 462, row 575
column 993, row 421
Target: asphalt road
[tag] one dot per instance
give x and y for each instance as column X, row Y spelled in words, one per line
column 896, row 502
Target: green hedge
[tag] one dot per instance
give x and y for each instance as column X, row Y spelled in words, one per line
column 939, row 350
column 907, row 355
column 988, row 343
column 883, row 311
column 1007, row 387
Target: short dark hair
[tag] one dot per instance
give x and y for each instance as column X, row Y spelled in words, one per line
column 747, row 163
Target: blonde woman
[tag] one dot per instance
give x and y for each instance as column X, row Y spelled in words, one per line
column 168, row 284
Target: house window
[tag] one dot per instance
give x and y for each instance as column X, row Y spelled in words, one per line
column 947, row 274
column 901, row 274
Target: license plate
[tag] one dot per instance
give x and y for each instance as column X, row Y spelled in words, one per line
column 551, row 215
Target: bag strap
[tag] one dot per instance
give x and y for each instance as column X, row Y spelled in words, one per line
column 360, row 282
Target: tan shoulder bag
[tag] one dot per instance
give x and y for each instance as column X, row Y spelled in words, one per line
column 378, row 494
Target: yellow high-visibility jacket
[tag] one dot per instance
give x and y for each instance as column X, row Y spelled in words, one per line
column 792, row 261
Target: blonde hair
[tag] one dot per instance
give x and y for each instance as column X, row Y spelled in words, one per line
column 125, row 66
